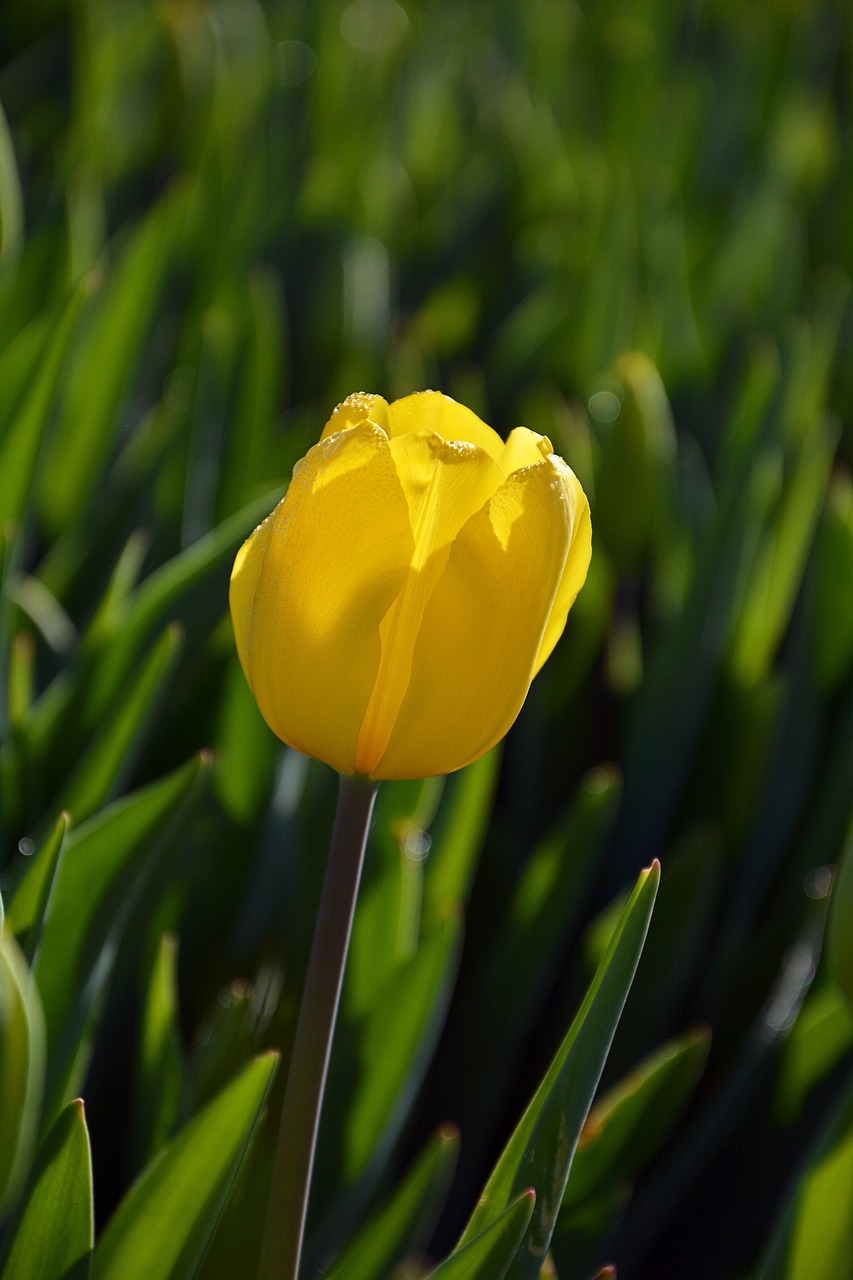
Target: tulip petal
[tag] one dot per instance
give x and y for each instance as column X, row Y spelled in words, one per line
column 577, row 562
column 360, row 407
column 445, row 482
column 482, row 627
column 311, row 648
column 433, row 411
column 244, row 582
column 524, row 449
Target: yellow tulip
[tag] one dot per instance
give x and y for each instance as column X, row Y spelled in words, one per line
column 392, row 611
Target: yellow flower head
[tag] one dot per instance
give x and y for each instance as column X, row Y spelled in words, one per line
column 392, row 611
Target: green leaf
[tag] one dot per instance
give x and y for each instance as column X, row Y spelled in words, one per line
column 380, row 1059
column 21, row 679
column 402, row 1225
column 668, row 713
column 540, row 1151
column 104, row 361
column 106, row 863
column 489, row 1255
column 11, row 197
column 502, row 1000
column 637, row 453
column 550, row 893
column 112, row 656
column 162, row 1227
column 31, row 901
column 684, row 913
column 814, row 1237
column 458, row 834
column 819, row 1039
column 55, row 1235
column 21, row 440
column 253, row 448
column 109, row 758
column 632, row 1122
column 387, row 926
column 834, row 612
column 780, row 563
column 160, row 1087
column 21, row 1067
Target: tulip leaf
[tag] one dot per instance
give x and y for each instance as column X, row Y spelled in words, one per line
column 20, row 360
column 11, row 197
column 110, row 756
column 106, row 863
column 489, row 1254
column 161, row 1084
column 379, row 1060
column 102, row 367
column 779, row 565
column 112, row 657
column 253, row 448
column 502, row 1002
column 669, row 711
column 217, row 340
column 551, row 891
column 20, row 441
column 540, row 1151
column 31, row 901
column 637, row 452
column 163, row 1225
column 584, row 1231
column 55, row 1235
column 22, row 1052
column 632, row 1122
column 388, row 921
column 457, row 835
column 814, row 1237
column 834, row 611
column 402, row 1225
column 819, row 1039
column 684, row 912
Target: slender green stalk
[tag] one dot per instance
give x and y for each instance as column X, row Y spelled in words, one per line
column 306, row 1082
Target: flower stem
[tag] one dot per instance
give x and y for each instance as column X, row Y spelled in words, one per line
column 306, row 1081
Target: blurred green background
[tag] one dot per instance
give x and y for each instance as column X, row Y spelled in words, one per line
column 627, row 225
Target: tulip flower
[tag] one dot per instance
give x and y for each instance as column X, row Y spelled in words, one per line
column 390, row 615
column 392, row 611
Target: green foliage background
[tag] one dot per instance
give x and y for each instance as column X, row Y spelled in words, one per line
column 625, row 224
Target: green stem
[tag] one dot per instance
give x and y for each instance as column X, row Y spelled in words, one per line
column 306, row 1081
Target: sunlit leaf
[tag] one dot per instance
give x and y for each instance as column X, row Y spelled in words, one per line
column 489, row 1254
column 22, row 1053
column 163, row 1225
column 55, row 1235
column 540, row 1151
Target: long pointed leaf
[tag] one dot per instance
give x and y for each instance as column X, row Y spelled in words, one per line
column 540, row 1151
column 164, row 1223
column 489, row 1255
column 55, row 1235
column 20, row 443
column 107, row 861
column 31, row 901
column 398, row 1227
column 21, row 1066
